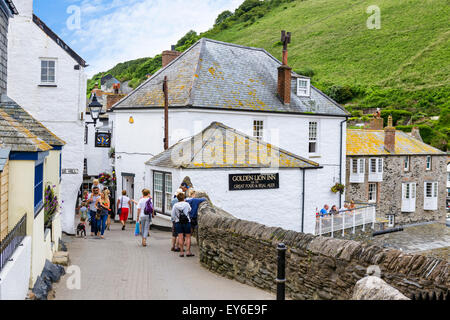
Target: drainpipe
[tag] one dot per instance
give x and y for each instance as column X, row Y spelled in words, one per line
column 340, row 158
column 303, row 201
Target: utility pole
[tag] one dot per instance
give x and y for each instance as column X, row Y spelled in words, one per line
column 166, row 114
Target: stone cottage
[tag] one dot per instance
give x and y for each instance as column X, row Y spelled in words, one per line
column 47, row 78
column 243, row 88
column 396, row 171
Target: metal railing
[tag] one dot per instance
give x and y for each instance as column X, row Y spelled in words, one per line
column 12, row 241
column 346, row 219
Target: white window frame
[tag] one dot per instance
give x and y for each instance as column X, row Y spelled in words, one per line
column 314, row 140
column 258, row 127
column 372, row 198
column 429, row 163
column 377, row 175
column 406, row 163
column 357, row 177
column 409, row 193
column 430, row 199
column 48, row 83
column 391, row 220
column 303, row 91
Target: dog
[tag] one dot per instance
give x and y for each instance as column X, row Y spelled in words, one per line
column 81, row 229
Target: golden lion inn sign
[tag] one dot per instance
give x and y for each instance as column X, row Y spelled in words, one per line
column 254, row 181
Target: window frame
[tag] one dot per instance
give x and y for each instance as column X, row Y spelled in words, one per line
column 38, row 187
column 406, row 163
column 304, row 91
column 429, row 163
column 164, row 201
column 314, row 140
column 391, row 220
column 409, row 196
column 377, row 175
column 48, row 83
column 359, row 176
column 374, row 193
column 258, row 127
column 431, row 201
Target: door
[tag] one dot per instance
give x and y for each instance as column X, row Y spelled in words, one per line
column 128, row 185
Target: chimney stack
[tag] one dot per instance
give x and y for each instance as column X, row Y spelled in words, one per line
column 389, row 136
column 377, row 122
column 284, row 71
column 169, row 56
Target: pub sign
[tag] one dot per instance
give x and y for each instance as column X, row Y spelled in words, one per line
column 103, row 140
column 254, row 181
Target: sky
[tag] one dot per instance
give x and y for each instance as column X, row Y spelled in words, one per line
column 106, row 32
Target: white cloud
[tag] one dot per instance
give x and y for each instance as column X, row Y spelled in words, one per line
column 119, row 30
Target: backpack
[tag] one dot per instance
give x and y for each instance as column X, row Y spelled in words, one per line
column 183, row 218
column 148, row 210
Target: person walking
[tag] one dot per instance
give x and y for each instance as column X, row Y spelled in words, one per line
column 96, row 184
column 103, row 208
column 175, row 246
column 180, row 214
column 92, row 201
column 123, row 205
column 145, row 217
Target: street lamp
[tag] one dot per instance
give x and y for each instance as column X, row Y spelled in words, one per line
column 95, row 109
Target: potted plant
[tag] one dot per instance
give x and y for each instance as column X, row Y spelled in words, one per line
column 338, row 187
column 51, row 204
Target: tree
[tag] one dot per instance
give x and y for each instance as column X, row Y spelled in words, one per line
column 223, row 16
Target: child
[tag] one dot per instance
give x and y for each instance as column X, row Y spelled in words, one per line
column 81, row 228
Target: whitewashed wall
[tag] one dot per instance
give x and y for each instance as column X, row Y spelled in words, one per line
column 15, row 276
column 144, row 138
column 59, row 108
column 97, row 158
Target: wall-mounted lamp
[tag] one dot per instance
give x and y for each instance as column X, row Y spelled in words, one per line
column 131, row 121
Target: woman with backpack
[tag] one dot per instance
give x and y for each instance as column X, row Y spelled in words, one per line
column 145, row 214
column 180, row 215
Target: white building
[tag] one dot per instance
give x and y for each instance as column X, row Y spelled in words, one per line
column 47, row 78
column 246, row 89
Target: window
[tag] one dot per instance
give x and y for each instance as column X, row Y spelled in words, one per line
column 313, row 138
column 428, row 163
column 60, row 166
column 38, row 187
column 448, row 192
column 406, row 164
column 431, row 196
column 408, row 197
column 357, row 170
column 48, row 71
column 86, row 134
column 376, row 170
column 391, row 220
column 85, row 168
column 258, row 127
column 372, row 192
column 303, row 87
column 162, row 189
column 448, row 176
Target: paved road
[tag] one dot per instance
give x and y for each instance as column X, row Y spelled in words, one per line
column 119, row 268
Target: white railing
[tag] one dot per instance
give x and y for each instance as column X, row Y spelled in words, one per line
column 349, row 219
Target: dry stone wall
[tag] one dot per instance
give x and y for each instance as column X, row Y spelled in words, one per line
column 317, row 267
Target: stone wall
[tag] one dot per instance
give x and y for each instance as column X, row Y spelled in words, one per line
column 389, row 195
column 317, row 267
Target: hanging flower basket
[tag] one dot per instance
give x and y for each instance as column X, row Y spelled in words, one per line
column 51, row 205
column 338, row 187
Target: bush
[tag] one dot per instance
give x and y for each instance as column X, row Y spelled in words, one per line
column 307, row 72
column 396, row 115
column 223, row 16
column 340, row 94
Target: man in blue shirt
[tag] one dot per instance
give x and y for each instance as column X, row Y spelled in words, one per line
column 324, row 210
column 194, row 203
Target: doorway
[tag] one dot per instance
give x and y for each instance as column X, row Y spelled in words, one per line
column 128, row 185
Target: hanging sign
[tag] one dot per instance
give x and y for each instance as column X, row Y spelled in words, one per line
column 103, row 140
column 254, row 181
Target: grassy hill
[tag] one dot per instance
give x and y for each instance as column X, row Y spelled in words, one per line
column 403, row 67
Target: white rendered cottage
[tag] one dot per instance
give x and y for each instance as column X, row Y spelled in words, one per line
column 243, row 175
column 246, row 89
column 47, row 78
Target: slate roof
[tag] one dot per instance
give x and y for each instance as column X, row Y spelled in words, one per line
column 219, row 146
column 21, row 132
column 218, row 75
column 12, row 8
column 371, row 142
column 4, row 156
column 49, row 32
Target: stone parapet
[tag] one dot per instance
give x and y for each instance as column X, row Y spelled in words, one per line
column 317, row 267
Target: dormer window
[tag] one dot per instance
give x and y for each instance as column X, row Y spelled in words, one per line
column 303, row 87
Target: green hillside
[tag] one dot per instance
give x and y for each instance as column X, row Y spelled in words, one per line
column 403, row 67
